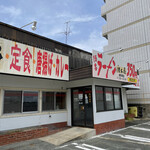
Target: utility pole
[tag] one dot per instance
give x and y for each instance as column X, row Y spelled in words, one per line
column 67, row 30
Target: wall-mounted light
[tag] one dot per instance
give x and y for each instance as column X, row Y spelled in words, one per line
column 33, row 26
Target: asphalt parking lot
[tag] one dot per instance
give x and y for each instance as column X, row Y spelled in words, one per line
column 136, row 136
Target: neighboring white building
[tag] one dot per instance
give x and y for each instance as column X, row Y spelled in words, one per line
column 127, row 31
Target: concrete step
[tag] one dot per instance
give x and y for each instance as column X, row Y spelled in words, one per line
column 73, row 133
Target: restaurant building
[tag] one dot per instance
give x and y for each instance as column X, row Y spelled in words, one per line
column 45, row 85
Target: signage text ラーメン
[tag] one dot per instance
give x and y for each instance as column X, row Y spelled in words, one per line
column 108, row 67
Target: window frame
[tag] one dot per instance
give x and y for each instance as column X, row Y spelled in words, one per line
column 55, row 109
column 37, row 101
column 112, row 94
column 120, row 95
column 104, row 98
column 42, row 101
column 56, row 101
column 21, row 112
column 4, row 102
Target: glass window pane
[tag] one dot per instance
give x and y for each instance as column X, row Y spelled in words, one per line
column 60, row 100
column 109, row 99
column 30, row 101
column 117, row 98
column 78, row 107
column 12, row 101
column 99, row 99
column 48, row 101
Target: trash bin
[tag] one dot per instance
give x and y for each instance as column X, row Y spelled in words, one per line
column 133, row 110
column 136, row 110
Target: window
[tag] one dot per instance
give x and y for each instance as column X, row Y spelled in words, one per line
column 99, row 98
column 108, row 98
column 20, row 101
column 47, row 101
column 117, row 98
column 12, row 101
column 30, row 101
column 60, row 100
column 53, row 101
column 27, row 101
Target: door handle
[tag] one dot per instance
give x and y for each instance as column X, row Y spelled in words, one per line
column 82, row 107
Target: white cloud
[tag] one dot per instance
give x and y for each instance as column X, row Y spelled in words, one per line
column 11, row 10
column 84, row 18
column 76, row 18
column 63, row 15
column 58, row 29
column 54, row 31
column 94, row 42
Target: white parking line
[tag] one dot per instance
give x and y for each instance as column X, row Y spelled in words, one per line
column 96, row 136
column 61, row 147
column 83, row 148
column 135, row 138
column 129, row 137
column 87, row 147
column 93, row 147
column 74, row 143
column 138, row 128
column 148, row 123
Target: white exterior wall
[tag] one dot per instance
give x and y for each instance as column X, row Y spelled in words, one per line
column 126, row 14
column 22, row 120
column 9, row 81
column 9, row 123
column 69, row 123
column 1, row 102
column 130, row 36
column 107, row 116
column 111, row 4
column 124, row 100
column 127, row 27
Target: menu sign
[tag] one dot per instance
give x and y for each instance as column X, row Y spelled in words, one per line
column 108, row 67
column 21, row 59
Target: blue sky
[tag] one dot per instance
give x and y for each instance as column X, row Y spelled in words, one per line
column 84, row 16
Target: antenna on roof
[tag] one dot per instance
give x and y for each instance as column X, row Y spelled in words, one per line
column 67, row 31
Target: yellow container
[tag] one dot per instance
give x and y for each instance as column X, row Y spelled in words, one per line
column 133, row 110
